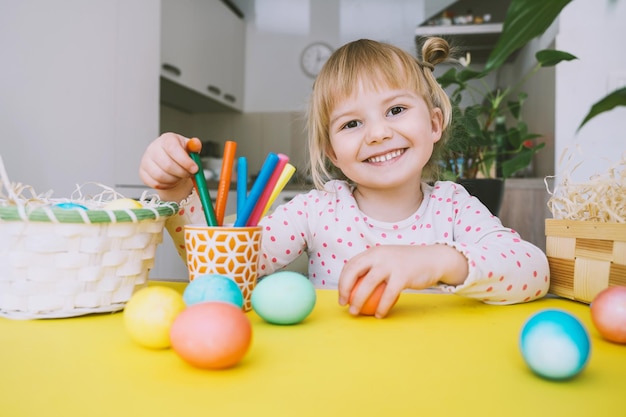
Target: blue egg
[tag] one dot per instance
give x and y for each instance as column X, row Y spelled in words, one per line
column 284, row 297
column 555, row 344
column 213, row 287
column 69, row 206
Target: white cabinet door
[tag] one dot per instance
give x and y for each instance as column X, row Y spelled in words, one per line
column 184, row 30
column 203, row 48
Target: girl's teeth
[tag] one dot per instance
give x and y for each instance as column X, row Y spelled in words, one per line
column 386, row 157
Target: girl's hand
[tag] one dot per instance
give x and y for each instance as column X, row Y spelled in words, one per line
column 401, row 267
column 167, row 167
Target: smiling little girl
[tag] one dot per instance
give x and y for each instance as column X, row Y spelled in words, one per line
column 377, row 118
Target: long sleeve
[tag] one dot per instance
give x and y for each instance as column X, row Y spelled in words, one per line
column 503, row 268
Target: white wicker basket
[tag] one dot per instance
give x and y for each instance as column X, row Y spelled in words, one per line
column 56, row 262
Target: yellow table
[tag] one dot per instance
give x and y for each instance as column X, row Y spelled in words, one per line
column 435, row 355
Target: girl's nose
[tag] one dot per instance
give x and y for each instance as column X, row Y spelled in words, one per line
column 378, row 131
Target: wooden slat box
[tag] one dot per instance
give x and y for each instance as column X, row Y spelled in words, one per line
column 585, row 257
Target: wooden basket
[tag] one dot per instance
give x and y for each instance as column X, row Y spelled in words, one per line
column 585, row 257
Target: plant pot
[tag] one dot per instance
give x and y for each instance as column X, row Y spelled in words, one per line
column 488, row 190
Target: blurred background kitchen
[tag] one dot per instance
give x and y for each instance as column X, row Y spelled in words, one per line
column 85, row 86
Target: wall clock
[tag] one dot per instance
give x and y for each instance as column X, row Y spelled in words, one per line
column 313, row 58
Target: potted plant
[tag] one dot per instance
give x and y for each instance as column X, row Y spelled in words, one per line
column 586, row 237
column 489, row 141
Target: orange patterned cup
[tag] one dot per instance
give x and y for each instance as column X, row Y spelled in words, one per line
column 225, row 250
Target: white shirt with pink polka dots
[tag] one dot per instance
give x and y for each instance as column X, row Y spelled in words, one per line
column 329, row 226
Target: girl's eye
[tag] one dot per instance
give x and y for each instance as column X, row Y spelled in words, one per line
column 350, row 125
column 395, row 110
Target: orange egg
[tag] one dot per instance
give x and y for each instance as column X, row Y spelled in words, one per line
column 370, row 306
column 211, row 335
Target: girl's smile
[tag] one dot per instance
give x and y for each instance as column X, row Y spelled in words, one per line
column 386, row 156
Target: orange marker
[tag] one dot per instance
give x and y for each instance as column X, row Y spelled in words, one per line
column 223, row 187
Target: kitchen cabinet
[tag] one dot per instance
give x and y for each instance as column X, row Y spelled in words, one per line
column 203, row 54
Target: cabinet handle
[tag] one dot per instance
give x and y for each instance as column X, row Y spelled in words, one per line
column 230, row 97
column 171, row 69
column 213, row 89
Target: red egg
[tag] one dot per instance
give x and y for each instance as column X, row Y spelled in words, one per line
column 370, row 306
column 608, row 313
column 211, row 335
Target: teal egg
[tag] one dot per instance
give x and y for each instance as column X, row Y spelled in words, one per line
column 284, row 297
column 213, row 287
column 555, row 344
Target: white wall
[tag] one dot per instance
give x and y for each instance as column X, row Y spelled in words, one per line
column 274, row 81
column 594, row 31
column 78, row 90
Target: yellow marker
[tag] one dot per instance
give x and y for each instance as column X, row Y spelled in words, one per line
column 284, row 178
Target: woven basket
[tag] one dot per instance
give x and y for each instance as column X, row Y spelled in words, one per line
column 585, row 257
column 59, row 262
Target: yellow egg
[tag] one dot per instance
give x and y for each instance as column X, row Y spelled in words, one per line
column 123, row 203
column 149, row 314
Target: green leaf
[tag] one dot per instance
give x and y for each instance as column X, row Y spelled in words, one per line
column 468, row 74
column 525, row 20
column 448, row 78
column 616, row 98
column 515, row 107
column 519, row 161
column 551, row 57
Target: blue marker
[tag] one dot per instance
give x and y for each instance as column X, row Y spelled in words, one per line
column 257, row 189
column 242, row 184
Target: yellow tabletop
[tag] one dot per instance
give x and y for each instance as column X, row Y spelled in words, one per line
column 435, row 355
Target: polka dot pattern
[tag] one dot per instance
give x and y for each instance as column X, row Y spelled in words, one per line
column 328, row 225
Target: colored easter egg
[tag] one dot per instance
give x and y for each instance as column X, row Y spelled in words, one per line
column 555, row 344
column 284, row 297
column 70, row 206
column 122, row 204
column 371, row 304
column 211, row 335
column 608, row 313
column 149, row 314
column 213, row 287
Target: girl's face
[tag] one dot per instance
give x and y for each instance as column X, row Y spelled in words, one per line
column 383, row 139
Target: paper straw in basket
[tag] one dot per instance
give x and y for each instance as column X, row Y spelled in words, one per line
column 5, row 180
column 193, row 146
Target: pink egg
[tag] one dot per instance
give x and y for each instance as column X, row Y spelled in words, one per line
column 608, row 313
column 211, row 335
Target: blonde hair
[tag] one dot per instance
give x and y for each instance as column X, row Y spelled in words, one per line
column 376, row 65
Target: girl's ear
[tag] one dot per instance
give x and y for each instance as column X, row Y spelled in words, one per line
column 436, row 121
